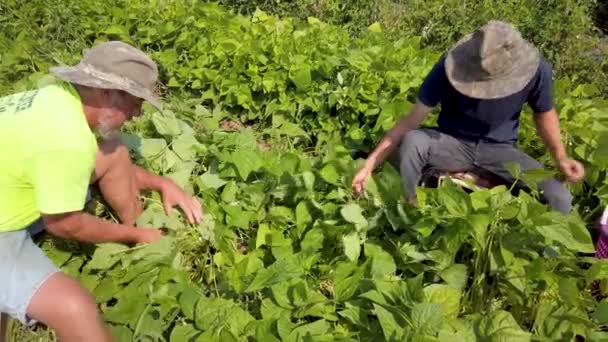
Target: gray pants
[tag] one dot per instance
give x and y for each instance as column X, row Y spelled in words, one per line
column 429, row 147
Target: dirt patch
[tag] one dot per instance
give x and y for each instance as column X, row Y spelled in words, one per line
column 230, row 125
column 264, row 145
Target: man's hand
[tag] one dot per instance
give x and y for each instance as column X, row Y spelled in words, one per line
column 146, row 235
column 388, row 143
column 174, row 195
column 360, row 179
column 572, row 169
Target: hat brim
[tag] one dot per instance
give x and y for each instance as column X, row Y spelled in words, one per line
column 76, row 75
column 469, row 84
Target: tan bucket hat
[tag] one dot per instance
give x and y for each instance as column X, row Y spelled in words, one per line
column 492, row 62
column 115, row 65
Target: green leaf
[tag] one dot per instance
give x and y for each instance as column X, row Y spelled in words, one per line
column 455, row 276
column 229, row 192
column 313, row 240
column 187, row 301
column 183, row 333
column 375, row 27
column 480, row 224
column 317, row 330
column 427, row 318
column 279, row 271
column 599, row 270
column 457, row 330
column 246, row 161
column 217, row 314
column 514, row 169
column 120, row 333
column 151, row 148
column 185, row 146
column 534, row 176
column 392, row 327
column 166, row 124
column 262, row 235
column 329, row 173
column 301, row 76
column 57, row 255
column 568, row 291
column 500, row 326
column 106, row 255
column 447, row 296
column 291, row 129
column 303, row 216
column 161, row 251
column 264, row 331
column 309, row 180
column 182, row 173
column 601, row 313
column 352, row 246
column 237, row 217
column 573, row 236
column 212, row 180
column 382, row 261
column 106, row 289
column 479, row 199
column 352, row 213
column 455, row 200
column 355, row 313
column 126, row 311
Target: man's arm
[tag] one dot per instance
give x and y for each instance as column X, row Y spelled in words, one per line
column 393, row 137
column 149, row 181
column 388, row 143
column 547, row 126
column 84, row 227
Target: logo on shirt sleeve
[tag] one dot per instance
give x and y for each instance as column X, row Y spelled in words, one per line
column 16, row 103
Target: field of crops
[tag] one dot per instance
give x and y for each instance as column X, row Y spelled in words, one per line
column 268, row 119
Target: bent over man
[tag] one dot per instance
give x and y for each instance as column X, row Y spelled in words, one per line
column 49, row 155
column 482, row 84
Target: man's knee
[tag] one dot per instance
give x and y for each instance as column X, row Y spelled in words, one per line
column 556, row 195
column 415, row 143
column 80, row 305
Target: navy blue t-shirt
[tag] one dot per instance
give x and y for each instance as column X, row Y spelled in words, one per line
column 494, row 120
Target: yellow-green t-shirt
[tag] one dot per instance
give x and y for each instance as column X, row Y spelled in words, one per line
column 47, row 154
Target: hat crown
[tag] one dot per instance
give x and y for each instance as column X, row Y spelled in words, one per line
column 499, row 47
column 122, row 60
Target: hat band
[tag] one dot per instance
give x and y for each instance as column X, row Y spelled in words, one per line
column 109, row 77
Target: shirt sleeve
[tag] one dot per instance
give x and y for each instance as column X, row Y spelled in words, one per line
column 433, row 86
column 541, row 94
column 61, row 180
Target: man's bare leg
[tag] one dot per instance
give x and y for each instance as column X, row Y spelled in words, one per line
column 65, row 306
column 116, row 176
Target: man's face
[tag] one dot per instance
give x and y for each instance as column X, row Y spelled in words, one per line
column 117, row 108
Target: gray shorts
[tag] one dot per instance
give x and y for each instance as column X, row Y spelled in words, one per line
column 23, row 269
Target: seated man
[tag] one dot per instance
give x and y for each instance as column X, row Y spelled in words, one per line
column 48, row 157
column 482, row 85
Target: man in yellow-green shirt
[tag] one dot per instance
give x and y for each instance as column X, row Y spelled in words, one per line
column 49, row 155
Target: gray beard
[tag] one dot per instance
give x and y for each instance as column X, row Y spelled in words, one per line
column 105, row 131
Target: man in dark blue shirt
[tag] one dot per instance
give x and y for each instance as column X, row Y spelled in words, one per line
column 482, row 84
